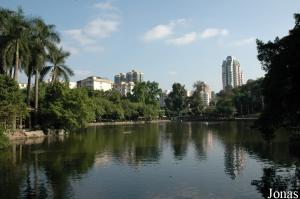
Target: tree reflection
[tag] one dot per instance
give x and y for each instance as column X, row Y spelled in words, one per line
column 234, row 160
column 179, row 134
column 278, row 180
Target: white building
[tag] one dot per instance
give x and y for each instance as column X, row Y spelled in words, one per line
column 124, row 87
column 232, row 75
column 206, row 97
column 124, row 83
column 72, row 85
column 96, row 83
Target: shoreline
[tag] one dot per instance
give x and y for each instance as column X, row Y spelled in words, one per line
column 126, row 123
column 25, row 135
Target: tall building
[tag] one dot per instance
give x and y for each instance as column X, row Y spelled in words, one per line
column 124, row 83
column 96, row 83
column 131, row 76
column 121, row 77
column 232, row 75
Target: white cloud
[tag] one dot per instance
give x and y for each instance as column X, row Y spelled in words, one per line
column 185, row 39
column 105, row 6
column 79, row 36
column 158, row 32
column 101, row 28
column 163, row 30
column 213, row 32
column 244, row 42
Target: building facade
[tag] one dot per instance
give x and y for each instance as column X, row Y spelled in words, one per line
column 124, row 88
column 131, row 76
column 96, row 83
column 232, row 75
column 124, row 83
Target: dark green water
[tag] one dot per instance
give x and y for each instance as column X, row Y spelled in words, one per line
column 166, row 160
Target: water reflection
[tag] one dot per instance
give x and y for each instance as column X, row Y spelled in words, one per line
column 185, row 153
column 278, row 179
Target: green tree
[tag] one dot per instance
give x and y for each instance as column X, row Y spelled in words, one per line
column 11, row 102
column 176, row 102
column 15, row 37
column 281, row 85
column 196, row 100
column 59, row 69
column 43, row 40
column 65, row 108
column 224, row 105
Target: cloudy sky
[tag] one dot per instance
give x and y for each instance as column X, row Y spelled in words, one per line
column 169, row 40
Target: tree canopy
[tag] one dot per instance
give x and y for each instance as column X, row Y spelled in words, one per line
column 281, row 61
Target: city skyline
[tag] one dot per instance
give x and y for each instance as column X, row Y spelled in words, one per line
column 170, row 41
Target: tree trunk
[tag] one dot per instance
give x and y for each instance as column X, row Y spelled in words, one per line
column 36, row 96
column 16, row 70
column 17, row 63
column 28, row 98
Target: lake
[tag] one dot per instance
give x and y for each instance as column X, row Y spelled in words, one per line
column 206, row 160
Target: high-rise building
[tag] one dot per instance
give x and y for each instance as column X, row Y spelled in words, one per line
column 232, row 75
column 120, row 78
column 124, row 83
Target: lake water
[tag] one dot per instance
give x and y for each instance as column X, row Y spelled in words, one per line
column 165, row 160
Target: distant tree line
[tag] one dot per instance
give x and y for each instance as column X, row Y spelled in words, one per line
column 246, row 100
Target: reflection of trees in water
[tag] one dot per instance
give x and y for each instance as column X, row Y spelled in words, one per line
column 11, row 175
column 132, row 145
column 202, row 138
column 234, row 160
column 278, row 180
column 178, row 133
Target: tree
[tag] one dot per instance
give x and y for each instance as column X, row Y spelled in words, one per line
column 281, row 85
column 65, row 108
column 146, row 92
column 57, row 57
column 11, row 102
column 196, row 100
column 16, row 39
column 225, row 106
column 43, row 40
column 176, row 102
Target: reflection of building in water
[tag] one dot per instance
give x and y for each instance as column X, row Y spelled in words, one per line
column 102, row 159
column 234, row 160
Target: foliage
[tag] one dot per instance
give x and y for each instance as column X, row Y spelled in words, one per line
column 58, row 69
column 176, row 102
column 11, row 101
column 65, row 108
column 248, row 98
column 196, row 100
column 224, row 105
column 281, row 85
column 4, row 142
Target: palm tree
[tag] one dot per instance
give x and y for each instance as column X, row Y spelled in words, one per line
column 4, row 16
column 16, row 38
column 58, row 70
column 43, row 39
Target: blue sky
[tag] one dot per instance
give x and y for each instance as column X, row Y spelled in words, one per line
column 169, row 40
